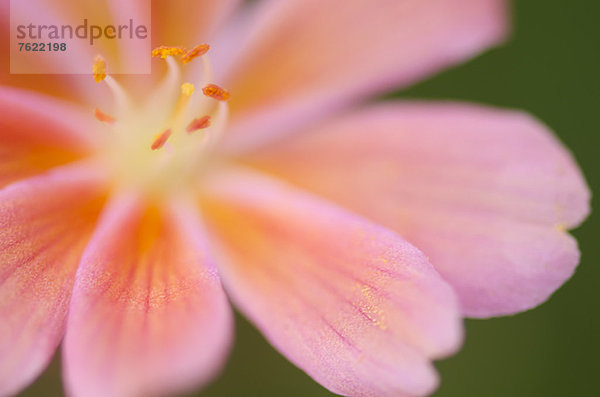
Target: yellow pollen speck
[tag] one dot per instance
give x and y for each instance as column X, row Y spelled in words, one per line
column 561, row 227
column 99, row 69
column 216, row 92
column 371, row 306
column 187, row 89
column 164, row 51
column 197, row 51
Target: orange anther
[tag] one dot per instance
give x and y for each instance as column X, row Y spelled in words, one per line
column 161, row 139
column 216, row 92
column 99, row 69
column 197, row 51
column 198, row 124
column 164, row 51
column 103, row 117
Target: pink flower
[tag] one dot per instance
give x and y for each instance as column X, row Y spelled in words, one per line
column 310, row 206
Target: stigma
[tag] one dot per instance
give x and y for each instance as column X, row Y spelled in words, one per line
column 155, row 142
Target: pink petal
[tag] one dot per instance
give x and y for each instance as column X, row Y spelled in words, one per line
column 485, row 193
column 129, row 52
column 38, row 133
column 44, row 225
column 304, row 59
column 352, row 304
column 148, row 315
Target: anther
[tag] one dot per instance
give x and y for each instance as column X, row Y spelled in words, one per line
column 99, row 69
column 187, row 89
column 161, row 139
column 103, row 117
column 164, row 51
column 216, row 92
column 198, row 124
column 195, row 52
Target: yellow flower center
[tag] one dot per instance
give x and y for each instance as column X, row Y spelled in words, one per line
column 158, row 146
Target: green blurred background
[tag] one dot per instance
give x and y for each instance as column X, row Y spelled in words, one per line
column 549, row 68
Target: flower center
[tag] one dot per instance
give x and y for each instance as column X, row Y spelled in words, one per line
column 159, row 145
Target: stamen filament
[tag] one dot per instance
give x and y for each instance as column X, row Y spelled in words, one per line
column 165, row 93
column 181, row 108
column 220, row 123
column 171, row 80
column 120, row 95
column 207, row 71
column 200, row 102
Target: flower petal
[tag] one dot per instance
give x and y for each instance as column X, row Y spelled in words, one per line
column 485, row 193
column 148, row 315
column 303, row 59
column 352, row 304
column 44, row 225
column 38, row 133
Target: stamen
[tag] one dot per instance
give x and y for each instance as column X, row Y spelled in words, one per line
column 165, row 93
column 216, row 92
column 103, row 117
column 161, row 139
column 120, row 95
column 180, row 109
column 99, row 71
column 220, row 120
column 195, row 52
column 187, row 89
column 168, row 87
column 198, row 124
column 99, row 68
column 222, row 115
column 164, row 51
column 200, row 102
column 207, row 72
